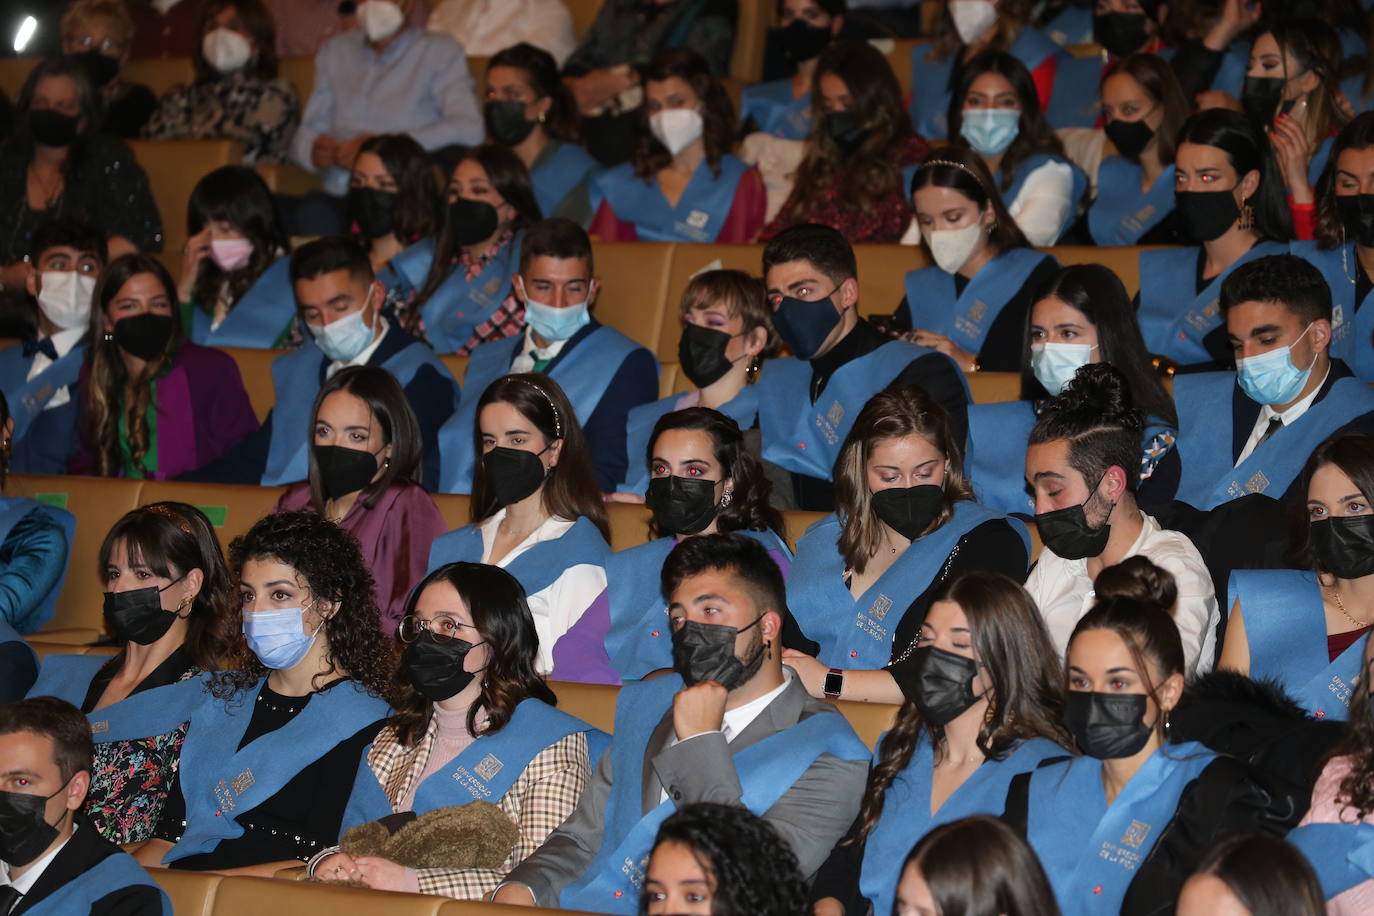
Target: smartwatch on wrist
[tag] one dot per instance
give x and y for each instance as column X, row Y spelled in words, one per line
column 834, row 684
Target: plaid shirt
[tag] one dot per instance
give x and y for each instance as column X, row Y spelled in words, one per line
column 539, row 801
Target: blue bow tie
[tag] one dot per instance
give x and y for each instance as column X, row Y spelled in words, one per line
column 35, row 345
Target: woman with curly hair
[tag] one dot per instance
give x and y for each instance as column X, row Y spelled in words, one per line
column 169, row 604
column 722, row 860
column 275, row 741
column 987, row 706
column 465, row 620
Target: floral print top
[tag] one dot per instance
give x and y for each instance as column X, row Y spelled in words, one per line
column 263, row 114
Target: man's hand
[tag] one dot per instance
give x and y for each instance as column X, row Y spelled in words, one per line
column 348, row 151
column 597, row 88
column 1236, row 17
column 698, row 709
column 323, row 151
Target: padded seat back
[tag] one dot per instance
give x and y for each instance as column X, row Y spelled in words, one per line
column 629, row 524
column 14, row 71
column 231, row 508
column 795, row 522
column 160, row 73
column 255, row 368
column 458, row 365
column 993, row 387
column 299, row 72
column 583, row 15
column 174, row 167
column 751, row 28
column 192, row 892
column 454, row 507
column 882, row 275
column 239, row 895
column 869, row 720
column 634, row 286
column 592, row 703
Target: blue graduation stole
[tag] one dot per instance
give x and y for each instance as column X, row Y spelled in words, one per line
column 14, row 508
column 766, row 771
column 906, row 813
column 855, row 632
column 699, row 215
column 639, row 426
column 775, row 111
column 1121, row 214
column 1033, row 162
column 410, row 267
column 805, row 438
column 639, row 639
column 930, row 80
column 1286, row 630
column 484, row 771
column 584, row 371
column 1073, row 25
column 141, row 715
column 27, row 398
column 1204, row 418
column 965, row 318
column 1341, row 854
column 536, row 568
column 228, row 781
column 1173, row 316
column 1074, row 102
column 258, row 319
column 1319, row 159
column 1351, row 331
column 1231, row 74
column 296, row 379
column 459, row 305
column 556, row 177
column 996, row 467
column 1091, row 851
column 110, row 874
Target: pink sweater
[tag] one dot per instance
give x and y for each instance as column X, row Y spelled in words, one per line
column 1359, row 900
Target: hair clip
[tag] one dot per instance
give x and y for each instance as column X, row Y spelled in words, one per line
column 165, row 512
column 557, row 417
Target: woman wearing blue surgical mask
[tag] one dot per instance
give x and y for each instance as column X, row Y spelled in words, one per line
column 681, row 184
column 995, row 112
column 274, row 742
column 971, row 304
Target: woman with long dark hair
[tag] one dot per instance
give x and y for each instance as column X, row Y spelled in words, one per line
column 536, row 510
column 470, row 693
column 1229, row 202
column 985, row 706
column 1253, row 874
column 170, row 606
column 682, row 184
column 782, row 108
column 364, row 476
column 905, row 522
column 975, row 866
column 457, row 285
column 392, row 200
column 150, row 403
column 274, row 742
column 235, row 288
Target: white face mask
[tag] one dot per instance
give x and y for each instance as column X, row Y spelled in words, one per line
column 676, row 128
column 380, row 19
column 226, row 50
column 951, row 248
column 64, row 296
column 972, row 18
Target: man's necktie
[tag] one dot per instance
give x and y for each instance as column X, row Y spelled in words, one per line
column 8, row 898
column 1275, row 424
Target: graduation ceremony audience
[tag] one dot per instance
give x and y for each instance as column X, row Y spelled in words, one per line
column 600, row 537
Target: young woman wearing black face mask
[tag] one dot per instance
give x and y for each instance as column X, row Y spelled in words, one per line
column 782, row 108
column 364, row 473
column 536, row 510
column 984, row 705
column 1302, row 627
column 456, row 286
column 470, row 691
column 169, row 604
column 865, row 576
column 391, row 199
column 1120, row 828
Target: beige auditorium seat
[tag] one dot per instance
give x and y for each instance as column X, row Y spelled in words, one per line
column 634, row 286
column 14, row 71
column 160, row 73
column 629, row 524
column 454, row 507
column 192, row 892
column 255, row 367
column 174, row 167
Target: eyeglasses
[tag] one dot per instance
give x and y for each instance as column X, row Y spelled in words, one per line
column 442, row 625
column 106, row 46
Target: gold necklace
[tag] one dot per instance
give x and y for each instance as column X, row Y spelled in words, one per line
column 1340, row 606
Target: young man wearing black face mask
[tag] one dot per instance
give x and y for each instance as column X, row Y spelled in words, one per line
column 340, row 303
column 733, row 726
column 840, row 361
column 52, row 860
column 1083, row 464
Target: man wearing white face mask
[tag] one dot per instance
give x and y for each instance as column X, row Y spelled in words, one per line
column 1286, row 395
column 604, row 373
column 339, row 302
column 36, row 375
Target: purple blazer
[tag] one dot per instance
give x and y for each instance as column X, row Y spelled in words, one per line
column 202, row 411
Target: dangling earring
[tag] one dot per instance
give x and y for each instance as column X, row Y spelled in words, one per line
column 753, row 371
column 990, row 714
column 386, row 462
column 1166, row 724
column 1247, row 215
column 725, row 498
column 108, row 336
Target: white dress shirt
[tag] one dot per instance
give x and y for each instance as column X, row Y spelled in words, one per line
column 529, row 352
column 1063, row 591
column 366, row 354
column 1289, row 417
column 25, row 882
column 484, row 27
column 62, row 342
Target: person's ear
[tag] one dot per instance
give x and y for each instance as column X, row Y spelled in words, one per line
column 1116, row 483
column 31, row 279
column 543, row 107
column 77, row 787
column 1249, row 184
column 1170, row 692
column 836, row 24
column 517, row 285
column 1308, row 81
column 848, row 294
column 555, row 450
column 770, row 627
column 593, row 290
column 194, row 581
column 1320, row 334
column 755, row 341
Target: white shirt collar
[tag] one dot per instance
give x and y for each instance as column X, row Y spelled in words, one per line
column 1295, row 412
column 362, row 358
column 741, row 717
column 532, row 351
column 551, row 528
column 25, row 882
column 63, row 341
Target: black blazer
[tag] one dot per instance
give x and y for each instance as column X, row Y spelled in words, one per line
column 86, row 849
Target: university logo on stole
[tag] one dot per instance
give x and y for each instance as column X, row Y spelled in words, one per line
column 1135, row 835
column 489, row 767
column 237, row 786
column 1256, row 484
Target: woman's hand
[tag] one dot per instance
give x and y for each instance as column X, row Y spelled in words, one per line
column 1294, row 153
column 338, row 867
column 809, row 669
column 196, row 250
column 939, row 342
column 382, row 874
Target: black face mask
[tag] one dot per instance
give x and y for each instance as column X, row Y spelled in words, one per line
column 1357, row 217
column 144, row 336
column 371, row 209
column 434, row 665
column 52, row 128
column 512, row 474
column 1122, row 34
column 24, row 831
column 1129, row 137
column 138, row 616
column 1345, row 546
column 343, row 470
column 944, row 684
column 1067, row 533
column 706, row 652
column 1260, row 97
column 506, row 122
column 844, row 128
column 681, row 505
column 1108, row 726
column 472, row 221
column 805, row 325
column 701, row 353
column 800, row 41
column 909, row 510
column 1204, row 216
column 100, row 68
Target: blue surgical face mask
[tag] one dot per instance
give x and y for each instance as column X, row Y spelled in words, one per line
column 278, row 637
column 555, row 324
column 344, row 339
column 1271, row 378
column 805, row 325
column 1054, row 364
column 990, row 130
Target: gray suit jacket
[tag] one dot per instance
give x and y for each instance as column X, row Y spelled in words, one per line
column 812, row 816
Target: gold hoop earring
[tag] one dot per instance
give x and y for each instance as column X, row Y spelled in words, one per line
column 1247, row 215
